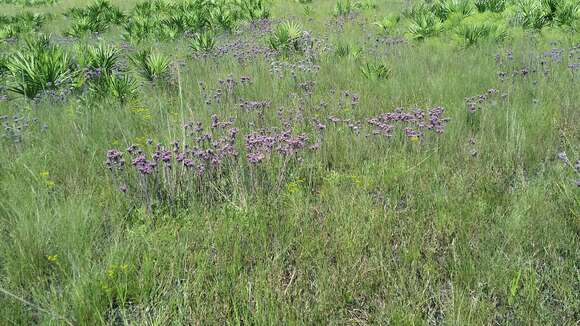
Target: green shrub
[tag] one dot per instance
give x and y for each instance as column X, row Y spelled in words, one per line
column 424, row 25
column 122, row 88
column 95, row 18
column 152, row 66
column 103, row 57
column 203, row 42
column 490, row 5
column 285, row 37
column 470, row 34
column 388, row 23
column 444, row 8
column 39, row 67
column 342, row 8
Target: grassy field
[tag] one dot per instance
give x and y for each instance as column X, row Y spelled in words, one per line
column 352, row 174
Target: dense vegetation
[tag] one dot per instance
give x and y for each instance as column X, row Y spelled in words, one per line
column 303, row 162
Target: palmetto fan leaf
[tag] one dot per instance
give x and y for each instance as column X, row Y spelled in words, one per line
column 32, row 72
column 103, row 57
column 152, row 66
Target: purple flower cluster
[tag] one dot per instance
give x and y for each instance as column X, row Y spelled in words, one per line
column 254, row 105
column 265, row 143
column 227, row 89
column 416, row 121
column 245, row 50
column 303, row 67
column 474, row 103
column 535, row 63
column 16, row 128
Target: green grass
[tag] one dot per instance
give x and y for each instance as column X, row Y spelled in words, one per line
column 367, row 230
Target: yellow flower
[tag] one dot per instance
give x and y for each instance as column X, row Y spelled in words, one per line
column 414, row 139
column 44, row 174
column 52, row 258
column 49, row 184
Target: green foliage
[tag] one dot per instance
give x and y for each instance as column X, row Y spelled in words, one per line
column 203, row 42
column 365, row 4
column 285, row 37
column 424, row 25
column 152, row 66
column 375, row 71
column 37, row 68
column 123, row 88
column 567, row 13
column 253, row 9
column 343, row 8
column 12, row 26
column 490, row 5
column 471, row 34
column 536, row 14
column 444, row 8
column 103, row 57
column 388, row 23
column 224, row 17
column 369, row 228
column 166, row 20
column 348, row 50
column 95, row 18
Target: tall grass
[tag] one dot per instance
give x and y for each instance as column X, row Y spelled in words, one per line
column 477, row 225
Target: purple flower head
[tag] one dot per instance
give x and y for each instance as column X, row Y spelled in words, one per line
column 115, row 159
column 563, row 157
column 333, row 119
column 143, row 165
column 188, row 163
column 255, row 158
column 319, row 125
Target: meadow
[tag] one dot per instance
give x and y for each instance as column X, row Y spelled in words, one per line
column 271, row 162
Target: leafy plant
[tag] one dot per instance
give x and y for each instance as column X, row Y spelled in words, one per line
column 471, row 34
column 343, row 8
column 123, row 88
column 388, row 23
column 365, row 4
column 203, row 42
column 536, row 14
column 253, row 9
column 490, row 5
column 152, row 66
column 344, row 50
column 95, row 18
column 37, row 68
column 444, row 8
column 224, row 18
column 375, row 71
column 285, row 37
column 103, row 57
column 425, row 24
column 568, row 12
